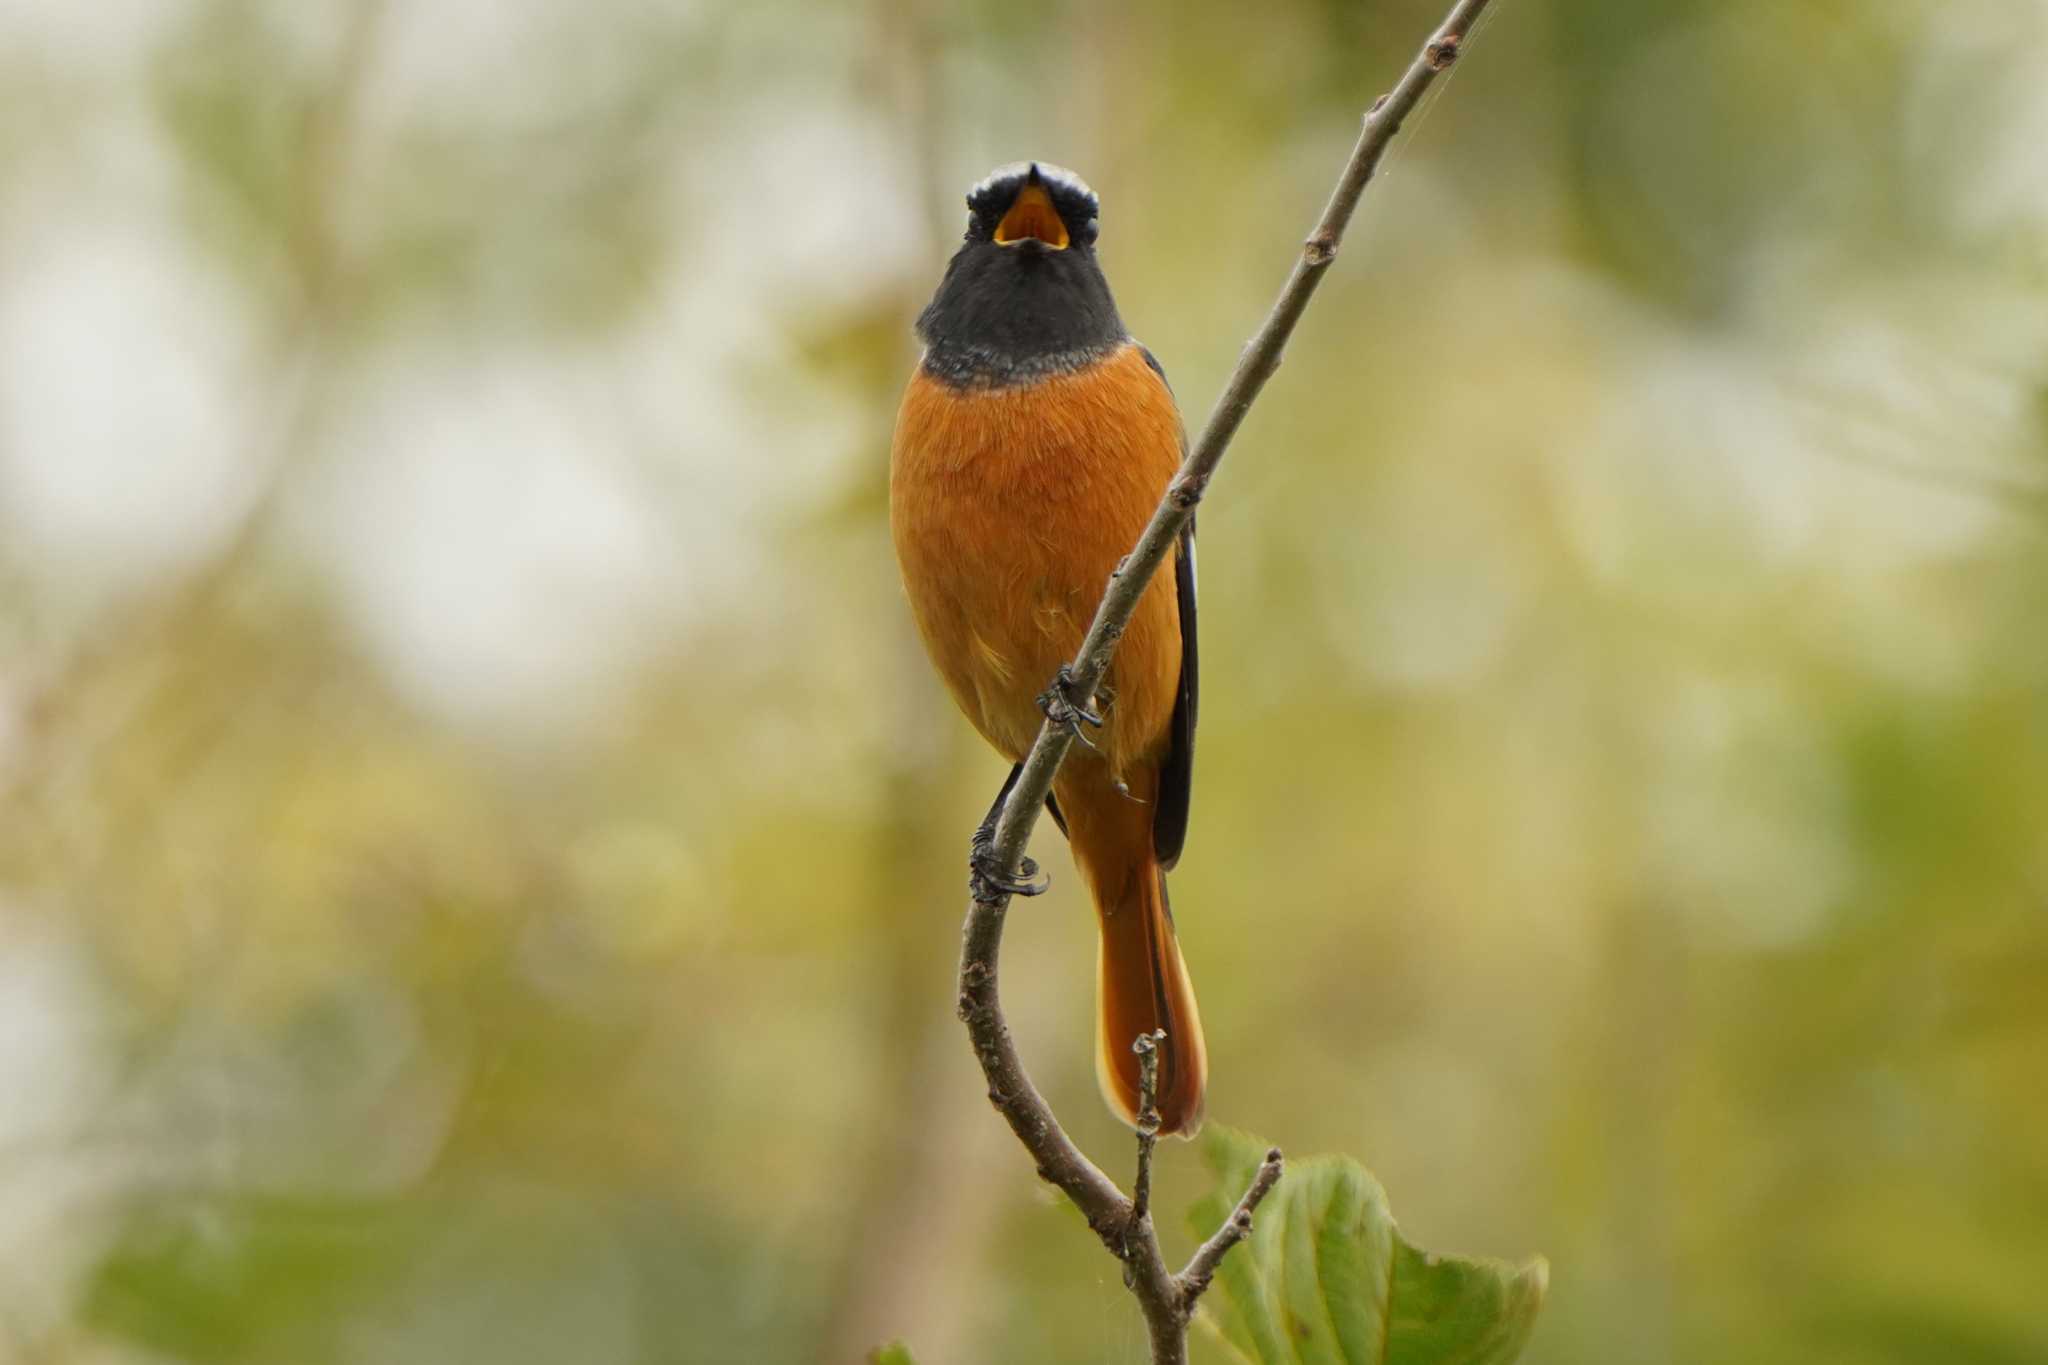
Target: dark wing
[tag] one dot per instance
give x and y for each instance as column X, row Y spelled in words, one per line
column 1177, row 774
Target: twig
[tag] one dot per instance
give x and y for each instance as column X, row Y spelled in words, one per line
column 1167, row 1300
column 1147, row 1048
column 1201, row 1267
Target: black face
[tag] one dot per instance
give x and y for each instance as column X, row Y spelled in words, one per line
column 1024, row 296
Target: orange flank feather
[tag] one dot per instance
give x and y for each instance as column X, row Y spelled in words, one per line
column 1011, row 507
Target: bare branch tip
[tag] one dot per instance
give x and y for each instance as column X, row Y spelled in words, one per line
column 1146, row 1045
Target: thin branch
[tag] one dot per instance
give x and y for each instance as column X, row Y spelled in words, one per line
column 1126, row 1230
column 1201, row 1267
column 1147, row 1048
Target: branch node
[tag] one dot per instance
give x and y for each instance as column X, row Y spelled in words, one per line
column 1320, row 249
column 1442, row 51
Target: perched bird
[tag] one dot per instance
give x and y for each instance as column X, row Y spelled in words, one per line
column 1033, row 444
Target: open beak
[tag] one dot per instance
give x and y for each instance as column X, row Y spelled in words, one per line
column 1033, row 218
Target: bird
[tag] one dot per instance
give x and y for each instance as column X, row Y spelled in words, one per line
column 1034, row 441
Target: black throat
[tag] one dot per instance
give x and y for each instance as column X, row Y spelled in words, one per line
column 1013, row 314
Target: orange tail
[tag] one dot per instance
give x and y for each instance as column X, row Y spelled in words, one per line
column 1141, row 985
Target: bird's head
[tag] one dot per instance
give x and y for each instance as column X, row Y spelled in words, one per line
column 1024, row 296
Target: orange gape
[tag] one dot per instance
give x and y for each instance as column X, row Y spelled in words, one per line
column 1011, row 506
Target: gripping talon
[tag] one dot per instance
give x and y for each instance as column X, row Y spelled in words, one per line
column 986, row 880
column 1062, row 708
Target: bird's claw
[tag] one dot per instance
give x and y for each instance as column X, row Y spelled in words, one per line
column 987, row 880
column 1064, row 709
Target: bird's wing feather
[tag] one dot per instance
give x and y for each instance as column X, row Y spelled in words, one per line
column 1177, row 773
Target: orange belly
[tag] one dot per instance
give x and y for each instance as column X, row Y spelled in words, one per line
column 1010, row 510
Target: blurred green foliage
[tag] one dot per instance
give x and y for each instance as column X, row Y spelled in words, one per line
column 480, row 850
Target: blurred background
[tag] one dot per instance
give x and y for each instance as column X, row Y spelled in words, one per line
column 480, row 848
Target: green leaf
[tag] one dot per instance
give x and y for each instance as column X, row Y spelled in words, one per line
column 895, row 1353
column 1326, row 1278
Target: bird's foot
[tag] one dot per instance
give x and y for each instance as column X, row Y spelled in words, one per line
column 1066, row 710
column 988, row 880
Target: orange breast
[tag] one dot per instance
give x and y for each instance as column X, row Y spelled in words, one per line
column 1010, row 509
